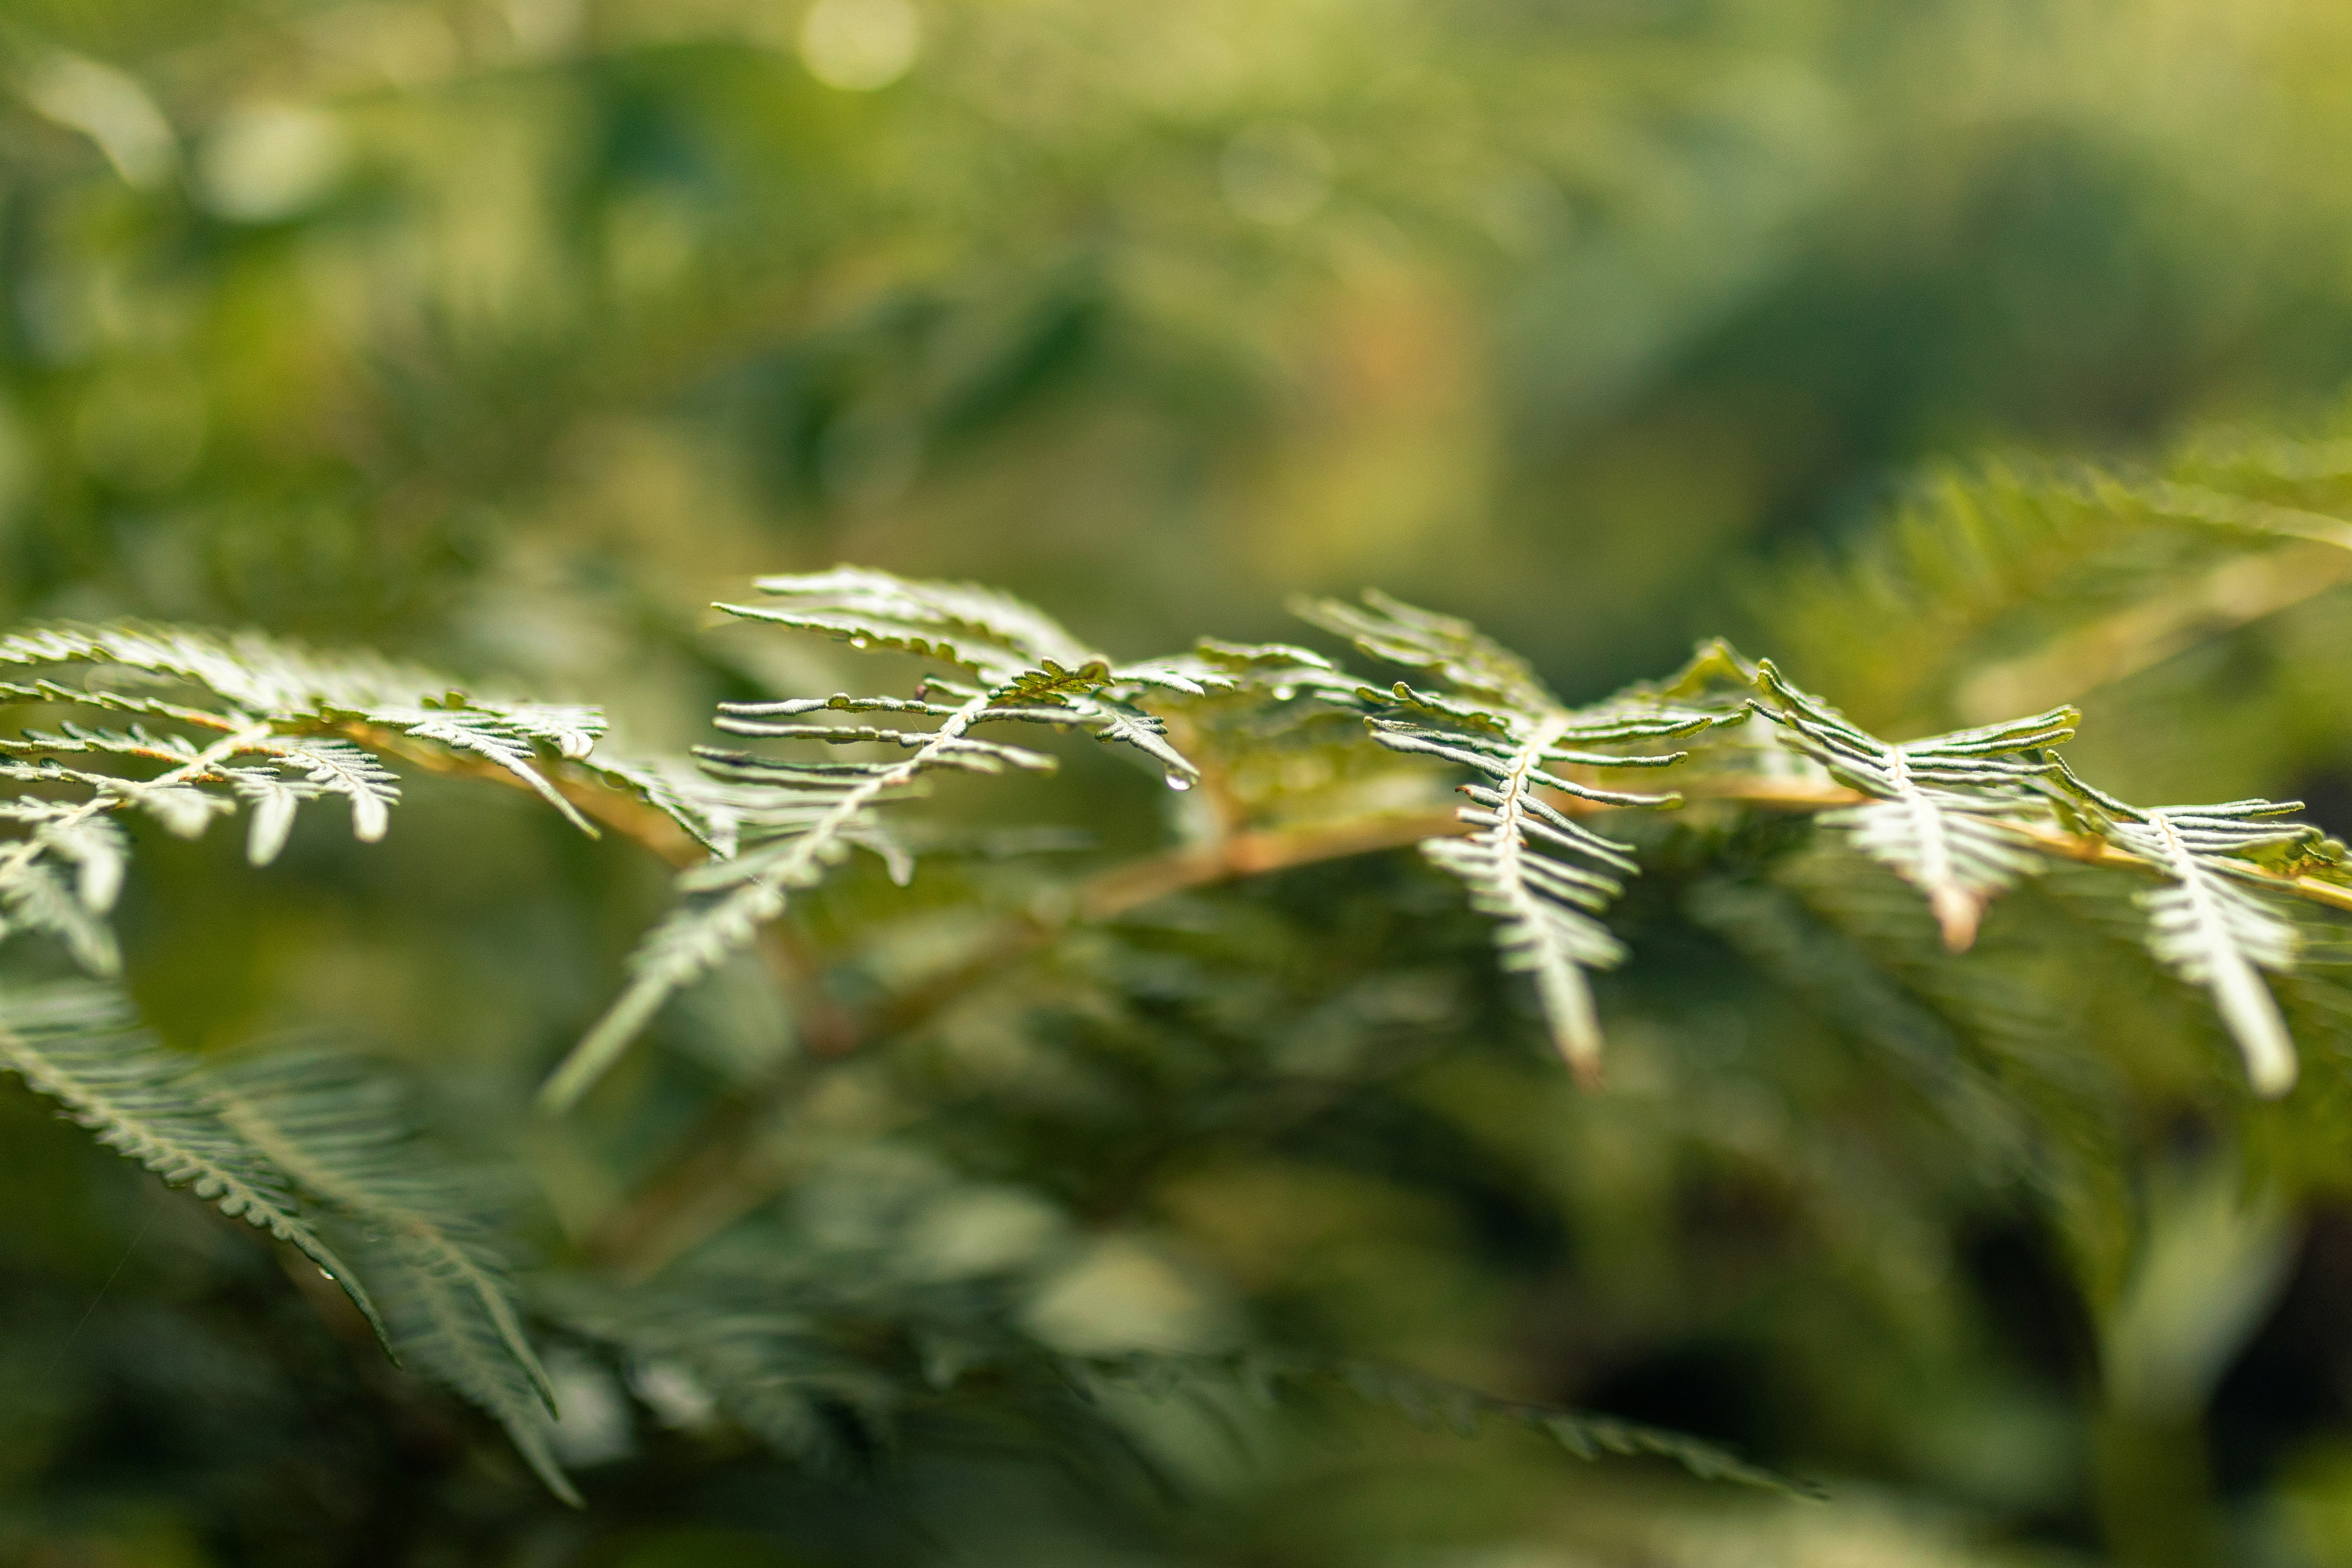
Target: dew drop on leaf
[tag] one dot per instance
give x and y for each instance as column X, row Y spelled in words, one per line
column 1178, row 782
column 1285, row 693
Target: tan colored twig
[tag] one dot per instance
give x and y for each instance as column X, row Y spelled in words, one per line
column 723, row 1174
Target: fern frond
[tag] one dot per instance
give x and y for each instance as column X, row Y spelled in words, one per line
column 708, row 811
column 339, row 767
column 995, row 637
column 772, row 1366
column 2208, row 927
column 437, row 1318
column 1828, row 971
column 300, row 708
column 33, row 896
column 2020, row 1075
column 264, row 725
column 509, row 738
column 74, row 1044
column 1542, row 875
column 776, row 1359
column 260, row 675
column 272, row 801
column 1429, row 1401
column 690, row 942
column 2096, row 573
column 1416, row 638
column 33, row 883
column 1283, row 671
column 1939, row 805
column 793, row 821
column 258, row 1138
column 810, row 817
column 1953, row 814
column 1543, row 904
column 341, row 1134
column 94, row 845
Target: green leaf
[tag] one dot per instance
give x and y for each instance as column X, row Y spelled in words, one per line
column 35, row 897
column 1429, row 1401
column 2211, row 930
column 1938, row 818
column 75, row 1045
column 994, row 636
column 1542, row 875
column 793, row 820
column 341, row 1135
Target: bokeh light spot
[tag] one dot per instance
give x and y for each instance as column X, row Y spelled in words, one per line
column 860, row 45
column 266, row 161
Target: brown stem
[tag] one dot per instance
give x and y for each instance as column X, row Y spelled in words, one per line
column 723, row 1175
column 594, row 799
column 1123, row 887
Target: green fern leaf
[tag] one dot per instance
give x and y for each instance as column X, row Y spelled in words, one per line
column 692, row 941
column 273, row 803
column 286, row 696
column 509, row 737
column 1938, row 816
column 1402, row 633
column 340, row 1134
column 274, row 728
column 1542, row 875
column 339, row 767
column 1430, row 1401
column 2105, row 570
column 436, row 1316
column 33, row 896
column 994, row 636
column 93, row 846
column 707, row 811
column 794, row 820
column 770, row 1366
column 2207, row 928
column 73, row 1044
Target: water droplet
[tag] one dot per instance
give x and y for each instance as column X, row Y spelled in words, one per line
column 1285, row 693
column 858, row 642
column 1178, row 782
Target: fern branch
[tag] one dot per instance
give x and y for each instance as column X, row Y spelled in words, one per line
column 1904, row 625
column 1525, row 861
column 697, row 938
column 251, row 1137
column 798, row 819
column 2211, row 931
column 73, row 1045
column 1428, row 1401
column 36, row 900
column 1539, row 902
column 304, row 709
column 437, row 1314
column 1942, row 811
column 339, row 1135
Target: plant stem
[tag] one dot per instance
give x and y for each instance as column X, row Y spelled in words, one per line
column 722, row 1177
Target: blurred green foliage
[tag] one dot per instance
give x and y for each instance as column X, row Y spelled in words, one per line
column 380, row 308
column 507, row 335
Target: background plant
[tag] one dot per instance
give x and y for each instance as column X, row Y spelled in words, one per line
column 499, row 338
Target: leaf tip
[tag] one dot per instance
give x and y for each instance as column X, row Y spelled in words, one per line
column 1958, row 913
column 2271, row 1073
